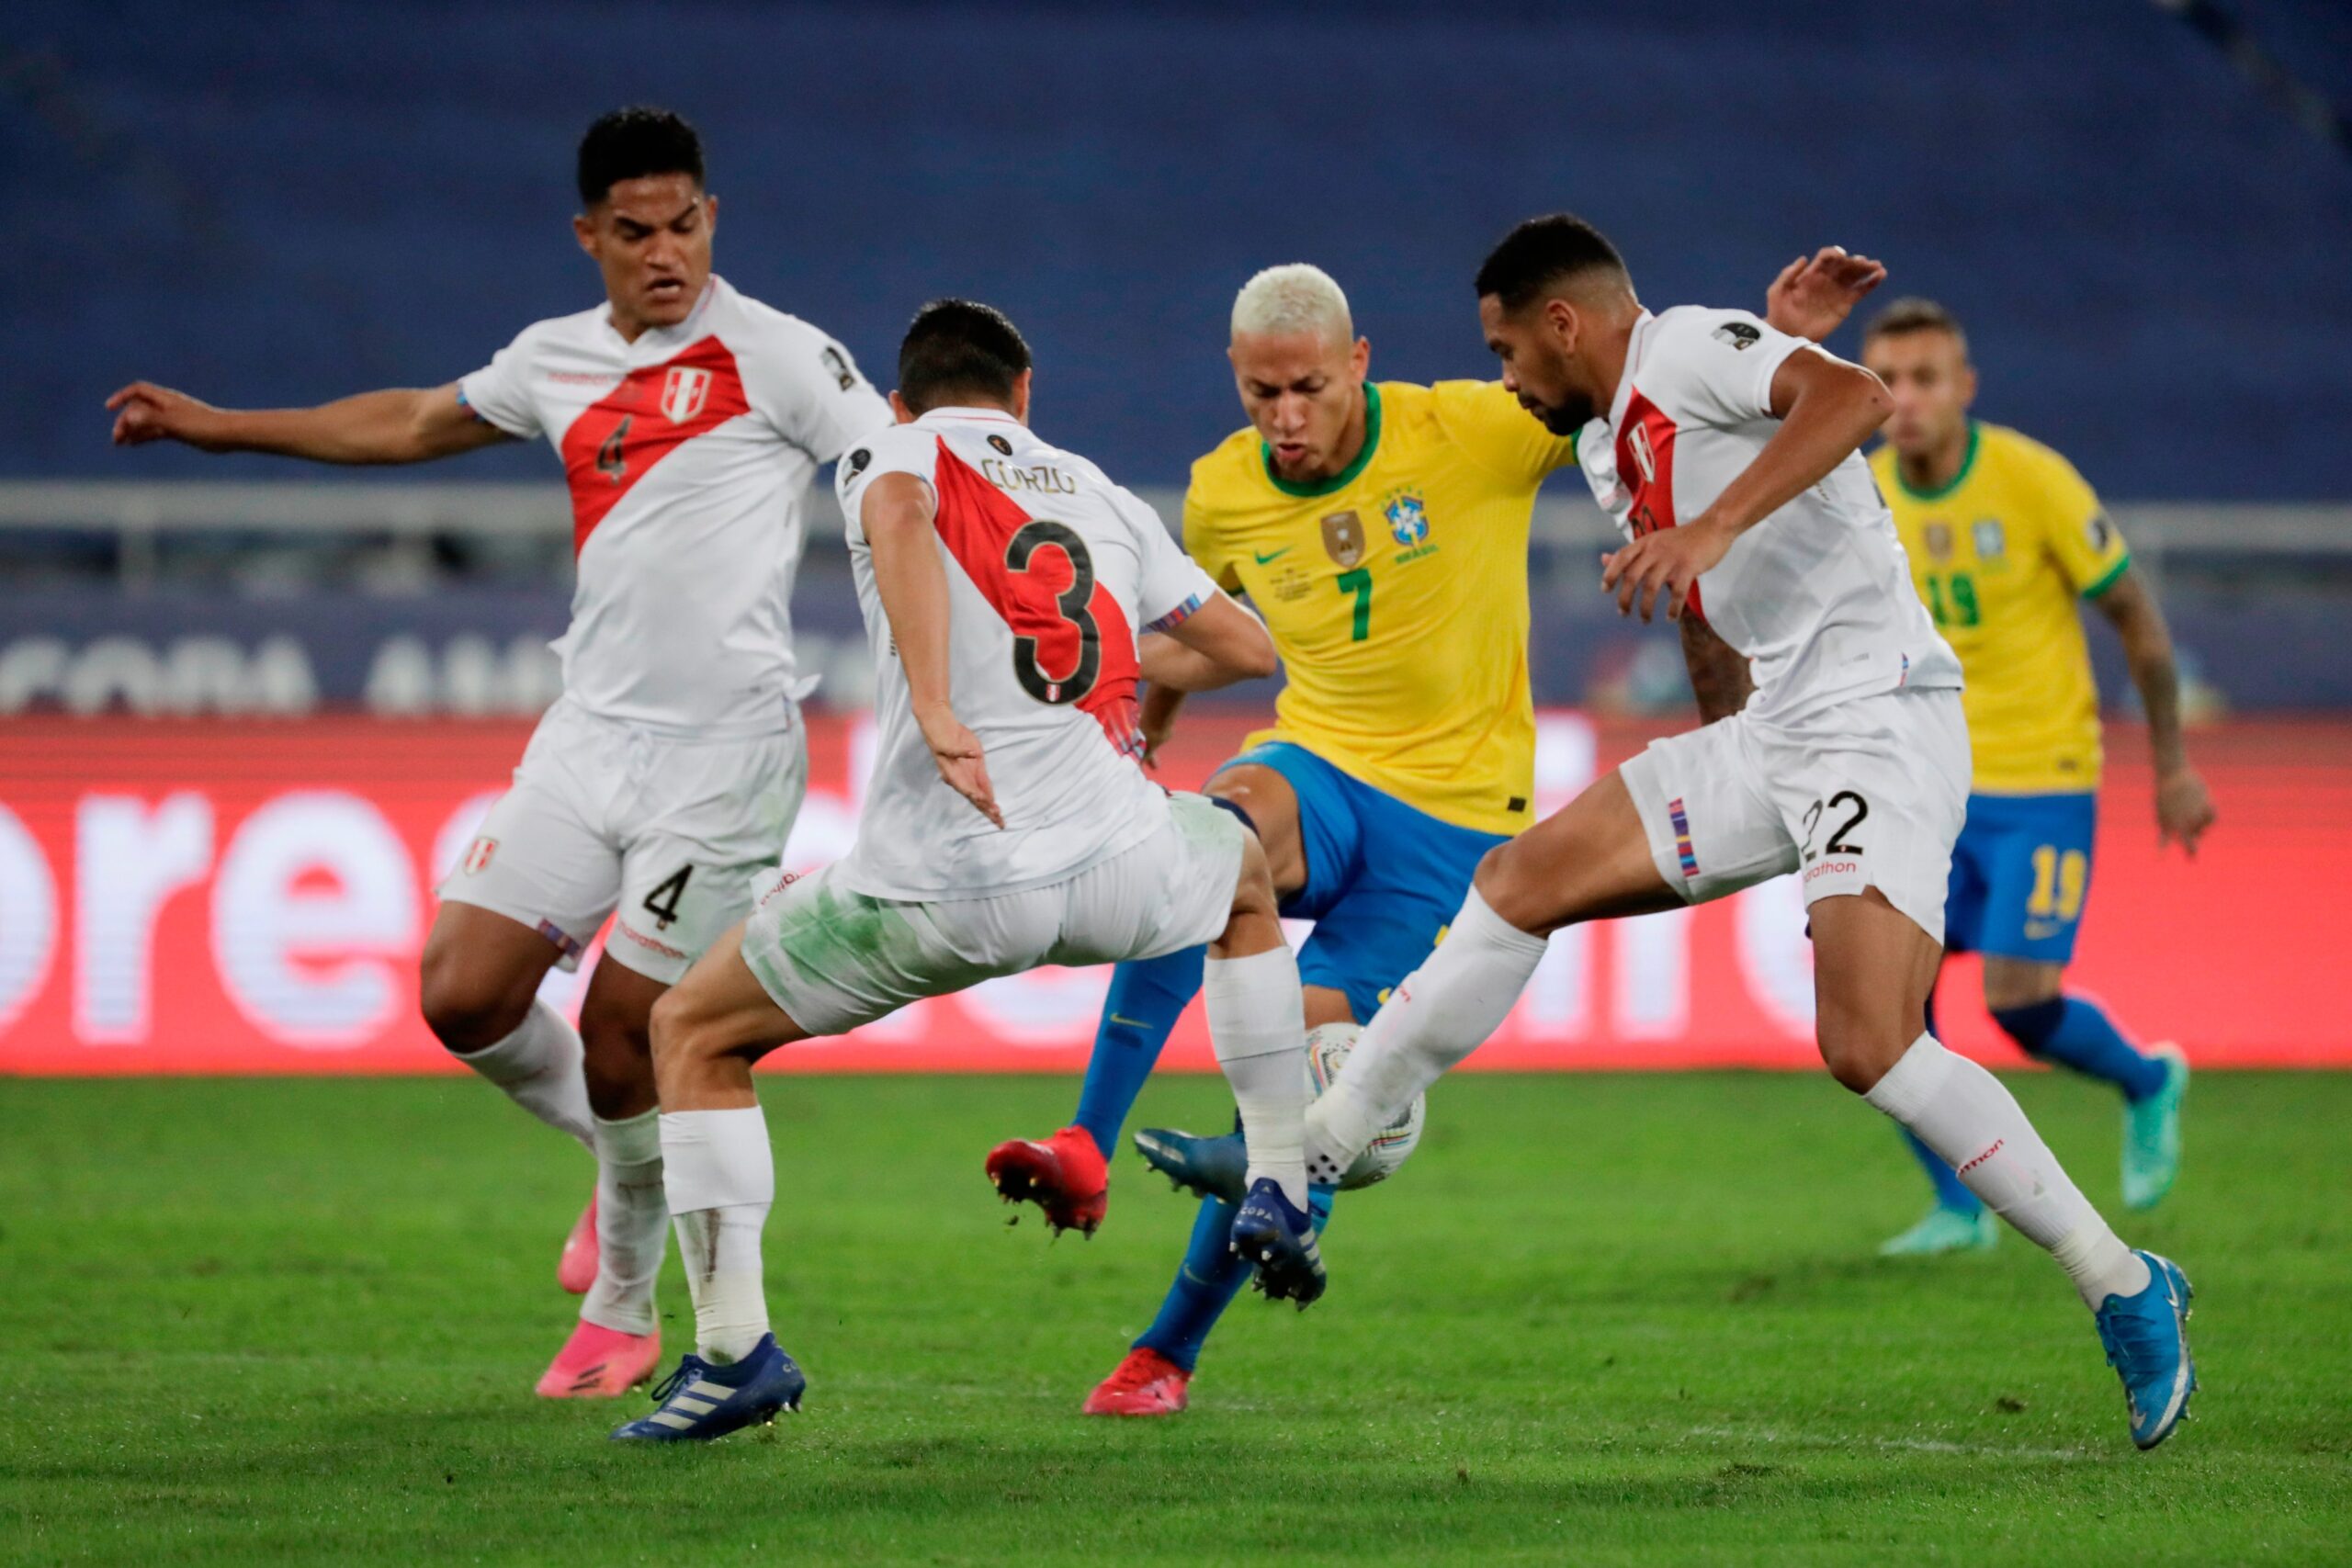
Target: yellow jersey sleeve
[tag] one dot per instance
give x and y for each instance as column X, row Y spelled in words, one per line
column 1487, row 425
column 1201, row 541
column 2087, row 548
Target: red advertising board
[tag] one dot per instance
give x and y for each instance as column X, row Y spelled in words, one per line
column 250, row 897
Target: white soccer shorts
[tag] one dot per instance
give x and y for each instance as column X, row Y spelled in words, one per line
column 1867, row 794
column 834, row 958
column 678, row 834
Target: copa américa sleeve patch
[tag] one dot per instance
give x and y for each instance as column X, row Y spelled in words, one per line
column 859, row 458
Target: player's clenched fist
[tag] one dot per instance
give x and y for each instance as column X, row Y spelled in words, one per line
column 2184, row 808
column 144, row 411
column 1669, row 560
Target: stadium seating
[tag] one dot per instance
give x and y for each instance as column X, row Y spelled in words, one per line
column 186, row 211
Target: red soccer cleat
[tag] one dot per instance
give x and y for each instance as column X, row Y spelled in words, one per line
column 1064, row 1176
column 1146, row 1384
column 576, row 1270
column 600, row 1363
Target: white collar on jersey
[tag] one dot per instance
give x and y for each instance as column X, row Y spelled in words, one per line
column 957, row 415
column 665, row 337
column 1634, row 348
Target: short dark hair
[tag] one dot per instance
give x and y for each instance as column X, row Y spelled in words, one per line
column 630, row 143
column 959, row 348
column 1543, row 253
column 1913, row 314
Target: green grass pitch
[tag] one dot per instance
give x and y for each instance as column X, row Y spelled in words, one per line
column 1597, row 1319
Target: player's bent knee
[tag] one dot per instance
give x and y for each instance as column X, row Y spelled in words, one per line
column 467, row 1006
column 1857, row 1054
column 1509, row 882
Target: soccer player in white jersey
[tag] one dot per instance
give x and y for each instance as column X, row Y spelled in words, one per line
column 690, row 419
column 1008, row 824
column 1736, row 477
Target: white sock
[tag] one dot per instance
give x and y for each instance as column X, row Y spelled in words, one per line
column 1438, row 1014
column 721, row 1180
column 632, row 1223
column 1961, row 1112
column 1258, row 1026
column 538, row 1066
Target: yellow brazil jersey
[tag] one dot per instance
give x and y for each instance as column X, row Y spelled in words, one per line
column 2003, row 554
column 1398, row 593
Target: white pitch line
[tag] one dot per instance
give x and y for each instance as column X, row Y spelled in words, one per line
column 1905, row 1445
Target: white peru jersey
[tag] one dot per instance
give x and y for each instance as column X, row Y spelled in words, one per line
column 1052, row 573
column 688, row 453
column 1818, row 595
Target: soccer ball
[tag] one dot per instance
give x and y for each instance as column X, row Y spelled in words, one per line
column 1326, row 1052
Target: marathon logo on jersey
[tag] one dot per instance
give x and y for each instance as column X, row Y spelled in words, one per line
column 479, row 855
column 1938, row 540
column 1739, row 334
column 1343, row 537
column 684, row 391
column 838, row 363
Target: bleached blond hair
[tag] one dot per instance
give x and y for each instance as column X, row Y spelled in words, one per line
column 1293, row 298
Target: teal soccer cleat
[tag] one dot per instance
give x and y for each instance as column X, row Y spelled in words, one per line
column 1944, row 1230
column 2152, row 1135
column 1212, row 1167
column 2146, row 1338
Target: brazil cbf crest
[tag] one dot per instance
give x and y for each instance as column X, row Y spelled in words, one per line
column 683, row 392
column 1408, row 520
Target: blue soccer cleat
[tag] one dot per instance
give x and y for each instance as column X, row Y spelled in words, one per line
column 699, row 1402
column 1212, row 1167
column 1279, row 1237
column 2146, row 1338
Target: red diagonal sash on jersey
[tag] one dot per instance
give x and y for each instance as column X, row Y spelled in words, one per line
column 1645, row 468
column 978, row 524
column 654, row 411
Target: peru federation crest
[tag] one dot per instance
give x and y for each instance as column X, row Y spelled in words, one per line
column 1408, row 520
column 683, row 392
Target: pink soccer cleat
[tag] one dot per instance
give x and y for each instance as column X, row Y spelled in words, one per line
column 1146, row 1384
column 576, row 1270
column 600, row 1363
column 1063, row 1175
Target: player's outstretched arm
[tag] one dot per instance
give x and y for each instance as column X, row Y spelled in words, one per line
column 1812, row 298
column 896, row 514
column 1827, row 408
column 2184, row 807
column 397, row 426
column 1215, row 646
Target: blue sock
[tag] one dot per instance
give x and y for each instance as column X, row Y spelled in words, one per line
column 2078, row 1035
column 1950, row 1192
column 1137, row 1016
column 1212, row 1275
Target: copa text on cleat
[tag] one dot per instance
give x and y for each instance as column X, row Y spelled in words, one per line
column 1279, row 1237
column 700, row 1401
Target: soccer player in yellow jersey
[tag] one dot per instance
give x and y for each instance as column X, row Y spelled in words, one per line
column 1381, row 529
column 2005, row 538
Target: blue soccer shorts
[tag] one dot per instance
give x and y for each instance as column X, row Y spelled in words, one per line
column 2020, row 874
column 1383, row 879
